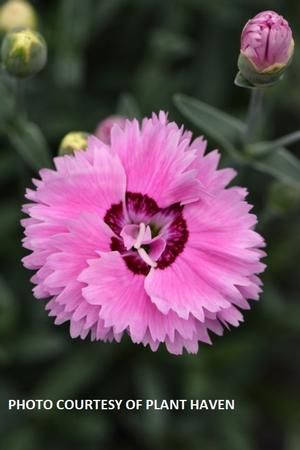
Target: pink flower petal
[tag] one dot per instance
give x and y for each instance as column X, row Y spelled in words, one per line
column 125, row 304
column 154, row 162
column 80, row 185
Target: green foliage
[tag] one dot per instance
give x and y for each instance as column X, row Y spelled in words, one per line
column 261, row 148
column 229, row 133
column 282, row 164
column 28, row 140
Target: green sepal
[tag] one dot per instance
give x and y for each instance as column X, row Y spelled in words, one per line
column 251, row 78
column 241, row 81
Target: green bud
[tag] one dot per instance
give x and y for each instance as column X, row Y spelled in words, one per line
column 23, row 52
column 16, row 14
column 75, row 140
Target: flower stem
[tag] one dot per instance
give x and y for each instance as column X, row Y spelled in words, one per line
column 254, row 115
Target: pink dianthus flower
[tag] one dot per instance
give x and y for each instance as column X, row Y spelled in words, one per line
column 143, row 236
column 267, row 41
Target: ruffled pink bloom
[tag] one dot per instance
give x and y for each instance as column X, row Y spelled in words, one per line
column 143, row 236
column 103, row 131
column 267, row 41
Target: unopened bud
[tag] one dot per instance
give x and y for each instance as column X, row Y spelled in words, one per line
column 75, row 140
column 267, row 47
column 104, row 128
column 23, row 52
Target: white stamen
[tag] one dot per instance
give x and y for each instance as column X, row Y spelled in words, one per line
column 146, row 258
column 140, row 236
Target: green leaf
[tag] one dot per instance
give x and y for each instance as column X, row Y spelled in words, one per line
column 225, row 129
column 282, row 198
column 170, row 45
column 261, row 148
column 293, row 436
column 30, row 143
column 282, row 165
column 29, row 348
column 240, row 81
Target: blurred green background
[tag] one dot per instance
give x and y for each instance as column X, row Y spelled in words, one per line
column 131, row 57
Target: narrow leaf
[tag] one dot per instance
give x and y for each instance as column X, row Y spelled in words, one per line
column 30, row 349
column 261, row 148
column 7, row 307
column 225, row 129
column 74, row 373
column 240, row 81
column 281, row 164
column 30, row 143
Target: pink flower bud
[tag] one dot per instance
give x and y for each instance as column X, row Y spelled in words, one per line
column 104, row 128
column 267, row 42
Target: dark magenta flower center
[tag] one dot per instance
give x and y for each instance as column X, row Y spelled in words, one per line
column 146, row 235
